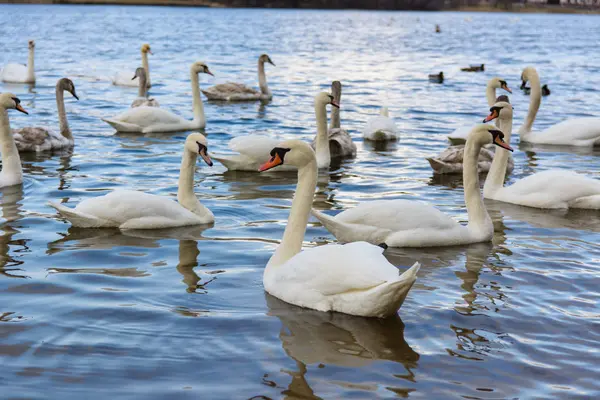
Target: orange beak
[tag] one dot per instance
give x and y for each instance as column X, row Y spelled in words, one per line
column 206, row 158
column 498, row 141
column 335, row 104
column 22, row 109
column 272, row 163
column 492, row 116
column 507, row 89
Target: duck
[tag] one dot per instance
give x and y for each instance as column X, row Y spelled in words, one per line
column 146, row 119
column 550, row 189
column 438, row 29
column 39, row 139
column 231, row 91
column 474, row 68
column 381, row 128
column 19, row 73
column 545, row 90
column 142, row 99
column 354, row 279
column 123, row 78
column 459, row 135
column 131, row 209
column 12, row 172
column 580, row 132
column 407, row 223
column 340, row 141
column 253, row 149
column 437, row 78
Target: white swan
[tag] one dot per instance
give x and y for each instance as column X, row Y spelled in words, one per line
column 142, row 99
column 253, row 149
column 33, row 138
column 340, row 141
column 123, row 78
column 19, row 73
column 406, row 223
column 153, row 119
column 130, row 209
column 231, row 91
column 582, row 132
column 459, row 135
column 353, row 279
column 12, row 173
column 380, row 128
column 547, row 189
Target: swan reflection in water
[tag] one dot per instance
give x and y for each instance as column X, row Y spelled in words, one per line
column 10, row 202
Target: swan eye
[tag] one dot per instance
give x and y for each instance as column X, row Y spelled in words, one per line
column 201, row 147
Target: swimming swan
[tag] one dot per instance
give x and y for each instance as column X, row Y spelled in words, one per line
column 380, row 128
column 340, row 141
column 582, row 132
column 231, row 91
column 130, row 209
column 33, row 138
column 406, row 223
column 353, row 279
column 12, row 173
column 19, row 73
column 253, row 149
column 146, row 119
column 142, row 99
column 547, row 189
column 123, row 78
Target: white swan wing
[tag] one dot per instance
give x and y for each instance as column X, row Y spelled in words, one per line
column 145, row 116
column 379, row 125
column 576, row 131
column 16, row 73
column 257, row 147
column 123, row 78
column 459, row 135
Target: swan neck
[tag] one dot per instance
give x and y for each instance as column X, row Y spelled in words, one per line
column 142, row 85
column 146, row 67
column 262, row 78
column 534, row 104
column 322, row 142
column 31, row 66
column 293, row 237
column 196, row 100
column 497, row 172
column 490, row 94
column 11, row 162
column 62, row 115
column 185, row 189
column 478, row 215
column 335, row 112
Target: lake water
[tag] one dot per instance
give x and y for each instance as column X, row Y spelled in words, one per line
column 183, row 314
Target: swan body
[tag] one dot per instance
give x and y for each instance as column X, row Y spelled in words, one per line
column 145, row 119
column 450, row 161
column 128, row 209
column 405, row 223
column 547, row 189
column 40, row 139
column 142, row 99
column 231, row 91
column 19, row 73
column 460, row 134
column 340, row 141
column 253, row 149
column 380, row 128
column 12, row 173
column 353, row 279
column 581, row 132
column 123, row 78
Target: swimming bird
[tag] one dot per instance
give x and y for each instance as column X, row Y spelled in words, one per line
column 123, row 78
column 436, row 78
column 19, row 73
column 142, row 99
column 381, row 128
column 12, row 173
column 474, row 68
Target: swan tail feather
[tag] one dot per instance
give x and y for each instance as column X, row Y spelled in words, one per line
column 237, row 163
column 587, row 202
column 79, row 219
column 346, row 232
column 440, row 167
column 120, row 126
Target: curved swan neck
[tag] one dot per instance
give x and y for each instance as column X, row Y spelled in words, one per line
column 262, row 78
column 62, row 115
column 185, row 189
column 11, row 162
column 497, row 172
column 142, row 85
column 490, row 94
column 534, row 103
column 335, row 112
column 322, row 142
column 478, row 215
column 291, row 244
column 196, row 100
column 146, row 67
column 31, row 65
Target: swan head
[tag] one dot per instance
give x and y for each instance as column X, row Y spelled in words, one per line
column 487, row 134
column 528, row 74
column 140, row 72
column 501, row 109
column 264, row 58
column 146, row 48
column 196, row 143
column 67, row 85
column 498, row 83
column 290, row 152
column 322, row 99
column 10, row 101
column 31, row 44
column 200, row 68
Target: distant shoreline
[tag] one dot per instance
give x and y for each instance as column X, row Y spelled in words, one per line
column 514, row 8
